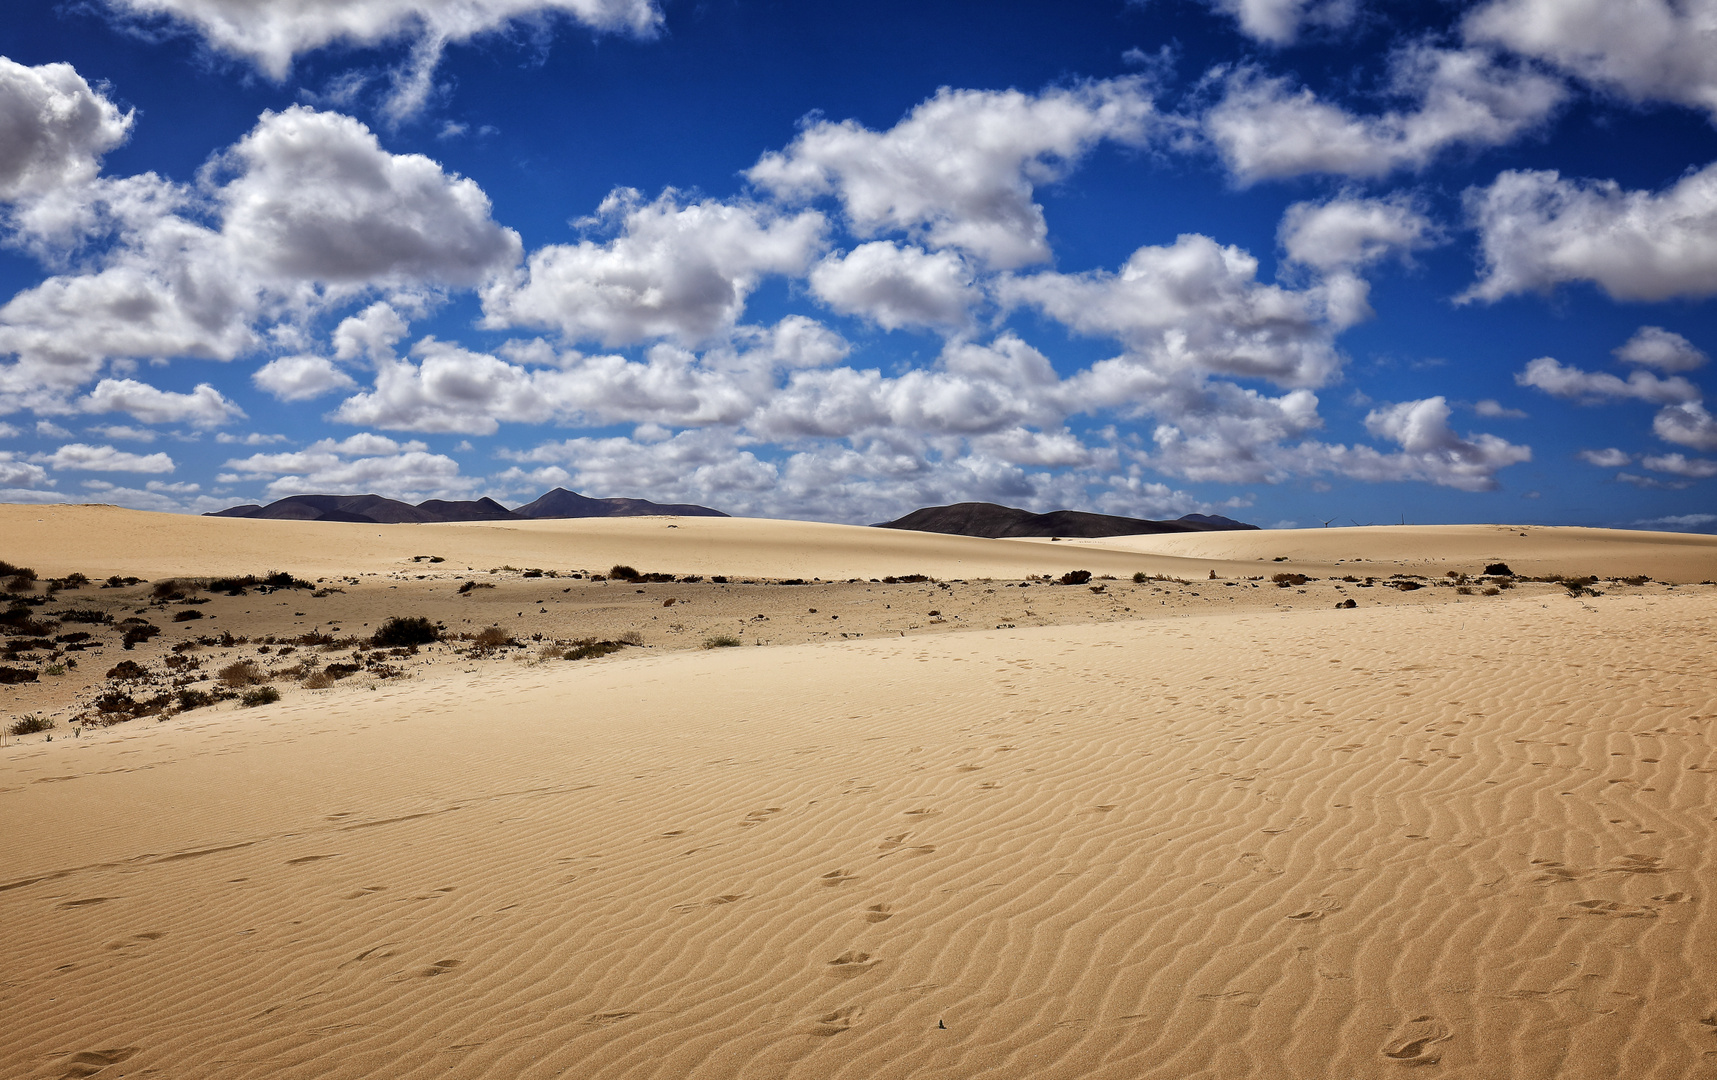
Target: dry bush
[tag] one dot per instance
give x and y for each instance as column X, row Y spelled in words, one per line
column 187, row 615
column 30, row 724
column 1283, row 581
column 1463, row 590
column 1492, row 590
column 241, row 673
column 262, row 695
column 720, row 641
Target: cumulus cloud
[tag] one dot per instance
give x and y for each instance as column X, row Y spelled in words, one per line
column 1278, row 22
column 312, row 214
column 1591, row 387
column 1681, row 465
column 672, row 271
column 1686, row 425
column 53, row 129
column 1611, row 458
column 1644, row 50
column 301, row 378
column 1688, row 522
column 1538, row 230
column 1653, row 346
column 86, row 458
column 1431, row 450
column 364, row 462
column 1264, row 128
column 1496, row 410
column 16, row 473
column 1349, row 231
column 896, row 286
column 959, row 171
column 1196, row 305
column 202, row 407
column 271, row 35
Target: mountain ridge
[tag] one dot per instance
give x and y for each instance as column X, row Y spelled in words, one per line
column 995, row 521
column 376, row 510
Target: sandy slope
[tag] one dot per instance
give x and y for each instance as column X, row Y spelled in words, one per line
column 1227, row 843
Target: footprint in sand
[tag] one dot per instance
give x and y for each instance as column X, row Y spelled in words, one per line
column 836, row 877
column 1414, row 1043
column 757, row 817
column 848, row 964
column 1674, row 898
column 923, row 813
column 833, row 1023
column 879, row 913
column 889, row 843
column 1324, row 906
column 967, row 768
column 90, row 902
column 90, row 1062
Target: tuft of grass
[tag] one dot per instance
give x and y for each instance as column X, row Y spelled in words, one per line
column 622, row 572
column 29, row 724
column 1491, row 590
column 241, row 673
column 262, row 695
column 194, row 699
column 590, row 648
column 187, row 615
column 720, row 641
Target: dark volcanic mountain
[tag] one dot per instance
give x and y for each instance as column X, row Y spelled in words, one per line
column 375, row 510
column 988, row 519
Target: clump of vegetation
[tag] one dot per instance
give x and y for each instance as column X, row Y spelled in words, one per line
column 241, row 673
column 1463, row 590
column 1140, row 577
column 1498, row 569
column 117, row 582
column 277, row 579
column 194, row 699
column 403, row 631
column 1580, row 586
column 11, row 676
column 18, row 620
column 84, row 615
column 1636, row 581
column 116, row 707
column 173, row 589
column 489, row 639
column 622, row 572
column 137, row 632
column 720, row 641
column 18, row 578
column 30, row 724
column 262, row 695
column 1284, row 581
column 187, row 615
column 1075, row 577
column 1491, row 590
column 1406, row 585
column 127, row 669
column 905, row 579
column 472, row 585
column 590, row 648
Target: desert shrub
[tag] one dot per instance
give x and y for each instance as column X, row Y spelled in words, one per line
column 692, row 579
column 84, row 615
column 1406, row 586
column 127, row 669
column 319, row 681
column 719, row 579
column 720, row 641
column 622, row 572
column 11, row 676
column 116, row 706
column 589, row 648
column 1463, row 590
column 1492, row 590
column 471, row 585
column 29, row 724
column 187, row 615
column 793, row 581
column 1637, row 580
column 403, row 630
column 1283, row 581
column 241, row 673
column 22, row 582
column 1348, row 603
column 1075, row 577
column 18, row 620
column 533, row 572
column 491, row 638
column 194, row 699
column 136, row 632
column 341, row 671
column 8, row 570
column 72, row 638
column 1140, row 577
column 631, row 637
column 262, row 695
column 23, row 645
column 173, row 589
column 1498, row 569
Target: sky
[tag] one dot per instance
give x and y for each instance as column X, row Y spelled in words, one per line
column 1297, row 262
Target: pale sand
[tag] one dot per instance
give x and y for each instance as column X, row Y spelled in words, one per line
column 1220, row 840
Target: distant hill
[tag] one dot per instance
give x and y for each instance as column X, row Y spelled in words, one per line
column 375, row 510
column 991, row 520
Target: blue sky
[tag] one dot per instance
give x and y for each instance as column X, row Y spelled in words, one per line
column 1286, row 260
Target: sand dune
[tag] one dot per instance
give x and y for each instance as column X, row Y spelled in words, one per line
column 1469, row 836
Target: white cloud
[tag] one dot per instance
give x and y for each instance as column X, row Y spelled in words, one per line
column 1198, row 306
column 1652, row 483
column 314, row 213
column 1539, row 231
column 84, row 457
column 361, row 463
column 1653, row 346
column 254, row 438
column 1644, row 50
column 202, row 407
column 20, row 474
column 675, row 271
column 1496, row 410
column 1590, row 387
column 53, row 129
column 123, row 432
column 960, row 169
column 1264, row 128
column 1681, row 465
column 50, row 430
column 897, row 286
column 301, row 378
column 271, row 35
column 1611, row 458
column 1689, row 522
column 1278, row 22
column 317, row 198
column 1432, row 451
column 1348, row 231
column 1686, row 425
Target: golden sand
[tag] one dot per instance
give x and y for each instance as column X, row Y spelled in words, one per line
column 1237, row 834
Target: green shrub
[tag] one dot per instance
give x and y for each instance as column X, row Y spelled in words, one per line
column 30, row 724
column 401, row 631
column 590, row 648
column 194, row 699
column 262, row 695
